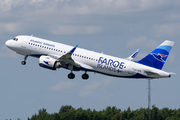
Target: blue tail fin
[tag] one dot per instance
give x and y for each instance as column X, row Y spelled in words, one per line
column 158, row 56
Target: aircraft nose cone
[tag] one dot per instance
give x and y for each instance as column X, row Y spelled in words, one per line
column 7, row 43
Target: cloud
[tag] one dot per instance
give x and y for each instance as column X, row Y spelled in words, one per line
column 89, row 89
column 83, row 7
column 62, row 85
column 9, row 27
column 95, row 86
column 141, row 40
column 69, row 17
column 152, row 44
column 85, row 93
column 71, row 30
column 166, row 29
column 133, row 42
column 6, row 53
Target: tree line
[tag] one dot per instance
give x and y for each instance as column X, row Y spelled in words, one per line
column 67, row 112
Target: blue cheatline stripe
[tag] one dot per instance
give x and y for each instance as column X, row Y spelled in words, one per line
column 165, row 47
column 133, row 76
column 37, row 55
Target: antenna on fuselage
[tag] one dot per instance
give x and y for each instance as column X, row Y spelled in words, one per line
column 32, row 35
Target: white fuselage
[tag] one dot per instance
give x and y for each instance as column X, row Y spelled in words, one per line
column 87, row 60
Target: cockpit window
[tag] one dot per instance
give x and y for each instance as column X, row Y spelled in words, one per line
column 16, row 39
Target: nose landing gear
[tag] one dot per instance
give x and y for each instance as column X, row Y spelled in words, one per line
column 24, row 62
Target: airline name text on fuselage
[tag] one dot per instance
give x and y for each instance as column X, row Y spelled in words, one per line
column 39, row 42
column 109, row 64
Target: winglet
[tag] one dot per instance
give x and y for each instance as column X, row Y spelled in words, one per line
column 71, row 52
column 133, row 55
column 68, row 55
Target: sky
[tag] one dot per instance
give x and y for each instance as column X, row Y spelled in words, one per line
column 114, row 27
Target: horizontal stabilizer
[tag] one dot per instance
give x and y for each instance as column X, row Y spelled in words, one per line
column 149, row 73
column 133, row 55
column 171, row 73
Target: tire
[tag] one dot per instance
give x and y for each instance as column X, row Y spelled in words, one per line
column 71, row 76
column 85, row 76
column 23, row 62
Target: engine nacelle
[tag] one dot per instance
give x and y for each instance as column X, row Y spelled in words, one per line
column 49, row 62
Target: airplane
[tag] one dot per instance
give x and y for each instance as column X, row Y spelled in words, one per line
column 53, row 55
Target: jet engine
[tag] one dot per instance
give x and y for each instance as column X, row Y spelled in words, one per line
column 49, row 62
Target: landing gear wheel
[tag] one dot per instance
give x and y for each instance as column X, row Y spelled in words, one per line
column 23, row 62
column 71, row 76
column 85, row 76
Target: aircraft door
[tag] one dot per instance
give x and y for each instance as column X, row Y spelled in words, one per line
column 24, row 43
column 132, row 69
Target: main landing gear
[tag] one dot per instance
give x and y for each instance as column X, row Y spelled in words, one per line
column 85, row 76
column 24, row 62
column 71, row 75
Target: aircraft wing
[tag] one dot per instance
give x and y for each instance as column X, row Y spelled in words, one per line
column 133, row 55
column 68, row 55
column 67, row 59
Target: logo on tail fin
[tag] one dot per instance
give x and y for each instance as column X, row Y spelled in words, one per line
column 159, row 56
